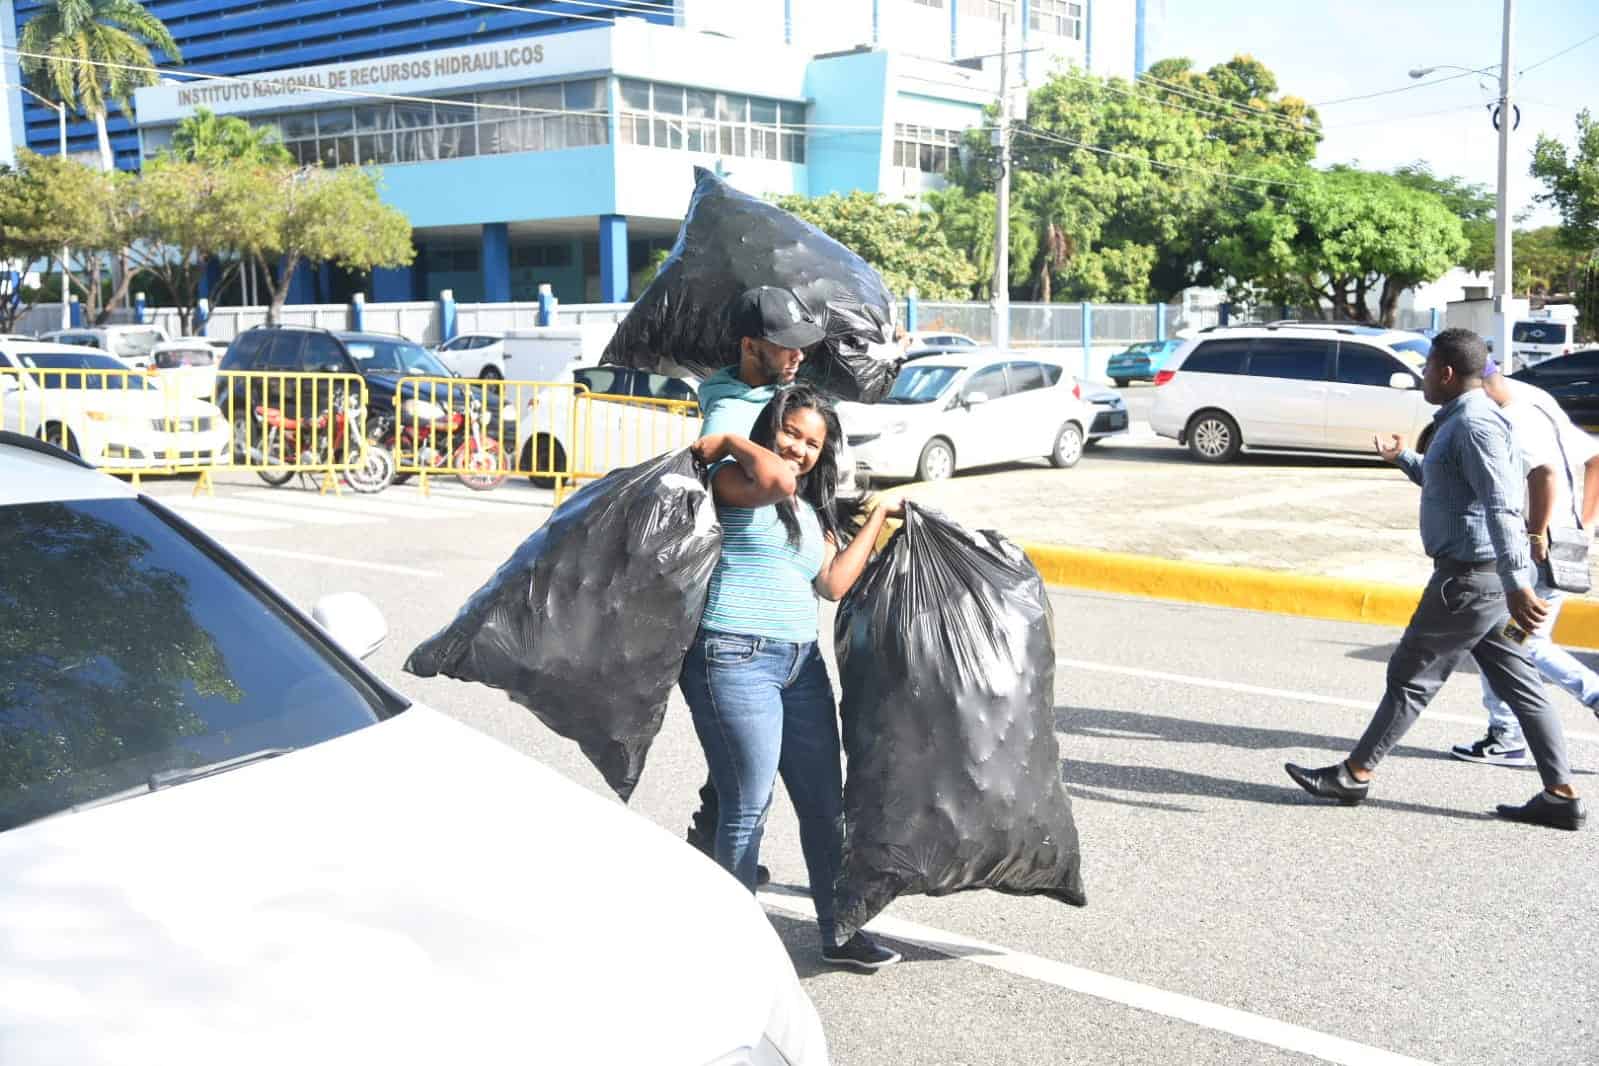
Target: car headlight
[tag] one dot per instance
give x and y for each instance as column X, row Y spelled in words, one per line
column 895, row 428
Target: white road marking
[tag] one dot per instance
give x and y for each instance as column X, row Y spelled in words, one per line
column 221, row 523
column 1234, row 1022
column 1280, row 693
column 288, row 511
column 333, row 560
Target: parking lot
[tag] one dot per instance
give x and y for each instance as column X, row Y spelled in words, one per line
column 1230, row 918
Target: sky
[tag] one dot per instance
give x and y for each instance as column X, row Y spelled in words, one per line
column 1324, row 52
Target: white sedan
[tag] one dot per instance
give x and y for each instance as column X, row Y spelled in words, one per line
column 953, row 412
column 222, row 838
column 92, row 405
column 474, row 355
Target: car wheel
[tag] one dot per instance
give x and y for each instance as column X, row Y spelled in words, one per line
column 243, row 434
column 1120, row 383
column 59, row 435
column 490, row 373
column 1068, row 446
column 543, row 453
column 937, row 461
column 1213, row 437
column 275, row 447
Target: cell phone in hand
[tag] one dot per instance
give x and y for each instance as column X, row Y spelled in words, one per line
column 1515, row 633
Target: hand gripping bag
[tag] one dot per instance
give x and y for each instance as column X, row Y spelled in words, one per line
column 731, row 241
column 947, row 659
column 588, row 622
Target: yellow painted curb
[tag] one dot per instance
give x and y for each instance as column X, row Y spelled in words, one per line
column 1337, row 599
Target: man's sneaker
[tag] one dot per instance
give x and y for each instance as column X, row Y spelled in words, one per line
column 1547, row 810
column 763, row 876
column 860, row 952
column 1494, row 750
column 1329, row 782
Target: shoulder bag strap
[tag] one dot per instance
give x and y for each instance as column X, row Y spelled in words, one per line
column 1565, row 463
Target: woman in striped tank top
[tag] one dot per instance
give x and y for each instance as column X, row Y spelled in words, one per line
column 754, row 679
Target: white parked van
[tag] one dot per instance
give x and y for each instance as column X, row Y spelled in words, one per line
column 546, row 353
column 130, row 343
column 1544, row 334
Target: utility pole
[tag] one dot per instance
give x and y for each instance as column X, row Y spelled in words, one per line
column 1001, row 284
column 66, row 282
column 1503, row 287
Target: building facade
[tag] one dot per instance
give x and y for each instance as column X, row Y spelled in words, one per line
column 556, row 144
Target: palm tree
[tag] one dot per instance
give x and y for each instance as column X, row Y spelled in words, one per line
column 98, row 50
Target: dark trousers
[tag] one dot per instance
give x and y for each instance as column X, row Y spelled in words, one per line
column 1462, row 611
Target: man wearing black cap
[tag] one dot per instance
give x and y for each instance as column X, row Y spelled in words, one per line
column 773, row 328
column 1473, row 502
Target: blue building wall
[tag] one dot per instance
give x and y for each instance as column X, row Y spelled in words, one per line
column 847, row 90
column 570, row 183
column 251, row 36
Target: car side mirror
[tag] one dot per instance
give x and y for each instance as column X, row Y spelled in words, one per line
column 353, row 621
column 972, row 399
column 1401, row 380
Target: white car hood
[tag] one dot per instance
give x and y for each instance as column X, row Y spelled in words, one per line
column 413, row 892
column 858, row 418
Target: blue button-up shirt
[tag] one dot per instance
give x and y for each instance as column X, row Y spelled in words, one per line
column 1473, row 491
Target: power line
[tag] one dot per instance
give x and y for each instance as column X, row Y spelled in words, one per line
column 1402, row 89
column 1382, row 119
column 1222, row 174
column 1563, row 51
column 1197, row 94
column 1262, row 119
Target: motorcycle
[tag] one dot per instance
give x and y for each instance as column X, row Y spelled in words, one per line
column 431, row 435
column 332, row 436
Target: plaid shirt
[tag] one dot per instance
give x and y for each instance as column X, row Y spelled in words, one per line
column 1473, row 494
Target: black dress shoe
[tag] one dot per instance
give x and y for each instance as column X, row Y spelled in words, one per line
column 1329, row 782
column 1547, row 811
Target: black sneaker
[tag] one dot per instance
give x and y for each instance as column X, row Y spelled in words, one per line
column 1329, row 782
column 1548, row 811
column 763, row 876
column 860, row 952
column 1494, row 750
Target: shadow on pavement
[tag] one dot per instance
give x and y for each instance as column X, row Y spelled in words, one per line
column 1159, row 781
column 804, row 945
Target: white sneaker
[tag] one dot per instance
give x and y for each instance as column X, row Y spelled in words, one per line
column 1494, row 749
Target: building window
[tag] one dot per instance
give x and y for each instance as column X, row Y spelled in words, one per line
column 992, row 9
column 699, row 120
column 530, row 118
column 932, row 151
column 1060, row 17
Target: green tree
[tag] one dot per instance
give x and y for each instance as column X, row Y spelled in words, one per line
column 1341, row 236
column 1571, row 183
column 319, row 216
column 1473, row 203
column 902, row 244
column 98, row 51
column 966, row 222
column 47, row 202
column 223, row 140
column 1545, row 264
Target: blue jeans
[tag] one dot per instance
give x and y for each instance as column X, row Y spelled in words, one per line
column 763, row 707
column 1553, row 662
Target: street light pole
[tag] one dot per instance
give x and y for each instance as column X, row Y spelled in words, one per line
column 1001, row 284
column 61, row 126
column 1503, row 287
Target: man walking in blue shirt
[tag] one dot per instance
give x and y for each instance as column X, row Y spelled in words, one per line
column 1472, row 505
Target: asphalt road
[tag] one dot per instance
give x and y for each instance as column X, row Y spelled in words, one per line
column 1230, row 918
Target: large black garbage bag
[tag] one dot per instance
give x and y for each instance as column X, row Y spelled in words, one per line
column 731, row 241
column 947, row 659
column 588, row 622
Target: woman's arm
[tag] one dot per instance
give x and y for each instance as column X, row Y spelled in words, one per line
column 841, row 569
column 756, row 478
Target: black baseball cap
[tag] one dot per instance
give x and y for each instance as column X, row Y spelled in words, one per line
column 777, row 316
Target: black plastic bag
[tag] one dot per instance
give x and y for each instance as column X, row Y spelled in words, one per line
column 947, row 658
column 588, row 622
column 731, row 241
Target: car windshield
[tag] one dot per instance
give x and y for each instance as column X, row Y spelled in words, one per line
column 396, row 357
column 116, row 374
column 1414, row 353
column 134, row 342
column 1145, row 348
column 128, row 650
column 921, row 384
column 1539, row 333
column 176, row 357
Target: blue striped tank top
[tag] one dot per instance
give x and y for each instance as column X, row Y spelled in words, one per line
column 762, row 586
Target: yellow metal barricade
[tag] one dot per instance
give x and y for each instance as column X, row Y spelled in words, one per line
column 611, row 432
column 120, row 421
column 285, row 423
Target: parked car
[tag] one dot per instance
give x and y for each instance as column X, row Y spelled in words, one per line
column 187, row 365
column 90, row 404
column 218, row 828
column 954, row 412
column 130, row 343
column 1535, row 340
column 381, row 359
column 1140, row 362
column 1300, row 388
column 474, row 355
column 941, row 339
column 1110, row 412
column 1573, row 380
